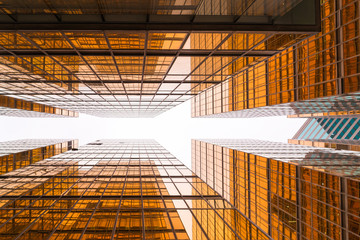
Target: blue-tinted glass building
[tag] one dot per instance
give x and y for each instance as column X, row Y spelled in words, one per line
column 340, row 132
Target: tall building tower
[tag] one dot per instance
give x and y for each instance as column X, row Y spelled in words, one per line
column 289, row 191
column 339, row 132
column 116, row 189
column 116, row 58
column 21, row 153
column 20, row 108
column 319, row 74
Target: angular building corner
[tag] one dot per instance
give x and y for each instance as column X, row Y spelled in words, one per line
column 21, row 153
column 316, row 75
column 332, row 130
column 289, row 191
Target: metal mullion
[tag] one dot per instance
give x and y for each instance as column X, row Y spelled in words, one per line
column 203, row 61
column 350, row 128
column 118, row 210
column 19, row 93
column 115, row 197
column 106, row 94
column 244, row 11
column 238, row 57
column 191, row 210
column 9, row 15
column 206, row 58
column 163, row 200
column 235, row 209
column 232, row 75
column 317, row 126
column 322, row 127
column 181, row 195
column 99, row 201
column 356, row 132
column 166, row 27
column 48, row 4
column 86, row 62
column 40, row 81
column 56, row 61
column 32, row 65
column 69, row 211
column 172, row 63
column 337, row 126
column 109, row 81
column 144, row 65
column 116, row 65
column 28, row 75
column 90, row 74
column 29, row 190
column 140, row 52
column 30, row 206
column 142, row 203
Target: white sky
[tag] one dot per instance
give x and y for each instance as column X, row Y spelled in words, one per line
column 173, row 129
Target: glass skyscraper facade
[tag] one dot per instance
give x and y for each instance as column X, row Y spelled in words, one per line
column 132, row 58
column 289, row 191
column 339, row 132
column 21, row 153
column 318, row 74
column 116, row 189
column 20, row 108
column 140, row 58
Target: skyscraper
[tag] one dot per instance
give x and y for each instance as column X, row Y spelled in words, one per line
column 289, row 191
column 319, row 74
column 20, row 108
column 116, row 189
column 21, row 153
column 132, row 58
column 339, row 132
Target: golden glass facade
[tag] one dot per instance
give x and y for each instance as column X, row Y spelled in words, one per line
column 20, row 108
column 130, row 58
column 300, row 78
column 21, row 153
column 289, row 191
column 115, row 189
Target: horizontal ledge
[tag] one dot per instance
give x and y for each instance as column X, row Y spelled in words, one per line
column 168, row 23
column 140, row 52
column 106, row 93
column 110, row 81
column 116, row 197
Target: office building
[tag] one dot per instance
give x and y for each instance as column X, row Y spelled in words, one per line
column 116, row 189
column 337, row 131
column 20, row 108
column 21, row 153
column 132, row 58
column 289, row 191
column 319, row 74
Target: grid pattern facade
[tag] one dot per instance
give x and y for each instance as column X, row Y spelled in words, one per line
column 299, row 79
column 115, row 189
column 289, row 191
column 129, row 58
column 339, row 132
column 330, row 128
column 20, row 108
column 21, row 153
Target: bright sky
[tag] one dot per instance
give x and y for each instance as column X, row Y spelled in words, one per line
column 173, row 129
